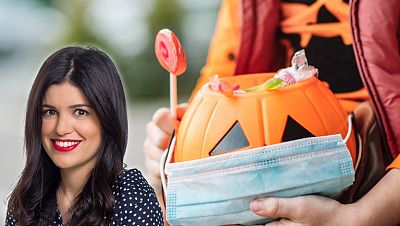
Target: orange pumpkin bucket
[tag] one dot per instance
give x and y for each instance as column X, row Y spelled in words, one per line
column 234, row 145
column 216, row 123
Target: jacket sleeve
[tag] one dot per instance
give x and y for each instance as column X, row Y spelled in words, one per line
column 376, row 45
column 224, row 45
column 395, row 163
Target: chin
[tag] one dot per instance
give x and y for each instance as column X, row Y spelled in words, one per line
column 64, row 165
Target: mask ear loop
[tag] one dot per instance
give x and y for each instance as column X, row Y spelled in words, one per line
column 166, row 158
column 349, row 129
column 359, row 145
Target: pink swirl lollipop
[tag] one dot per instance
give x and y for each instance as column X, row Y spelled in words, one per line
column 169, row 52
column 171, row 56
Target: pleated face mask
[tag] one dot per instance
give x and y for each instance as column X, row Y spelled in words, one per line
column 218, row 190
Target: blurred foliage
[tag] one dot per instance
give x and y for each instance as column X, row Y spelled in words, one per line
column 166, row 14
column 4, row 53
column 143, row 76
column 79, row 31
column 46, row 2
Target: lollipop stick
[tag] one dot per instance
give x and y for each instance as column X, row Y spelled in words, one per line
column 173, row 94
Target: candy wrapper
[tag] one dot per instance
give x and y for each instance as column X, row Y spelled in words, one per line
column 223, row 87
column 299, row 71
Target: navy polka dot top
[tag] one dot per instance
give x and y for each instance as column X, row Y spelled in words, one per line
column 135, row 203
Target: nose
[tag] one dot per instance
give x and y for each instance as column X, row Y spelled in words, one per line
column 63, row 126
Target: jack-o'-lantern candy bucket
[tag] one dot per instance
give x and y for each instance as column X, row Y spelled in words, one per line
column 232, row 147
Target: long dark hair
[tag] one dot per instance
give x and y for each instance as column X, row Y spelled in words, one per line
column 95, row 74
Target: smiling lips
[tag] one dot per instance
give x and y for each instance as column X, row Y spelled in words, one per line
column 65, row 145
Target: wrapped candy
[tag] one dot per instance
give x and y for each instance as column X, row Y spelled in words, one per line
column 299, row 71
column 223, row 87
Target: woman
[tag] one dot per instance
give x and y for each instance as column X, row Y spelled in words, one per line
column 75, row 138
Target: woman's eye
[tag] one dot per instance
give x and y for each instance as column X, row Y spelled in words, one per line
column 80, row 112
column 49, row 112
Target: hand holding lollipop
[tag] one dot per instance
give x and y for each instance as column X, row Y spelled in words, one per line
column 172, row 57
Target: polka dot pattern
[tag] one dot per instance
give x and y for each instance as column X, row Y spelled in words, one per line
column 135, row 203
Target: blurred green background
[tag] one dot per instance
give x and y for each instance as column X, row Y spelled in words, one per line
column 30, row 30
column 126, row 30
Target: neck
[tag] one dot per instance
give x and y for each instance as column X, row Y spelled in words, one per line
column 73, row 180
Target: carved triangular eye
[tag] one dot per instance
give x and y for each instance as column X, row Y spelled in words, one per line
column 233, row 140
column 294, row 131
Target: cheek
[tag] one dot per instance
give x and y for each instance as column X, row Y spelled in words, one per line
column 47, row 126
column 91, row 131
column 46, row 131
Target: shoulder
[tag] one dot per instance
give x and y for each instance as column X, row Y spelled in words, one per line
column 132, row 179
column 135, row 200
column 133, row 185
column 10, row 221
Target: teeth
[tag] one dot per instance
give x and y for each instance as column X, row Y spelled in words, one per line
column 65, row 144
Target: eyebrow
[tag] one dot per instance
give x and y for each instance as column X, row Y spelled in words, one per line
column 72, row 106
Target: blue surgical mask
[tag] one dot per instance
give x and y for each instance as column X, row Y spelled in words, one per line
column 218, row 190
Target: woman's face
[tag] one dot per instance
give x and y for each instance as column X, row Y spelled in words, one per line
column 71, row 130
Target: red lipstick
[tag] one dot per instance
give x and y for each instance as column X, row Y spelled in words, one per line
column 65, row 145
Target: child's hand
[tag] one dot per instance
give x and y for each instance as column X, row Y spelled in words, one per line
column 158, row 134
